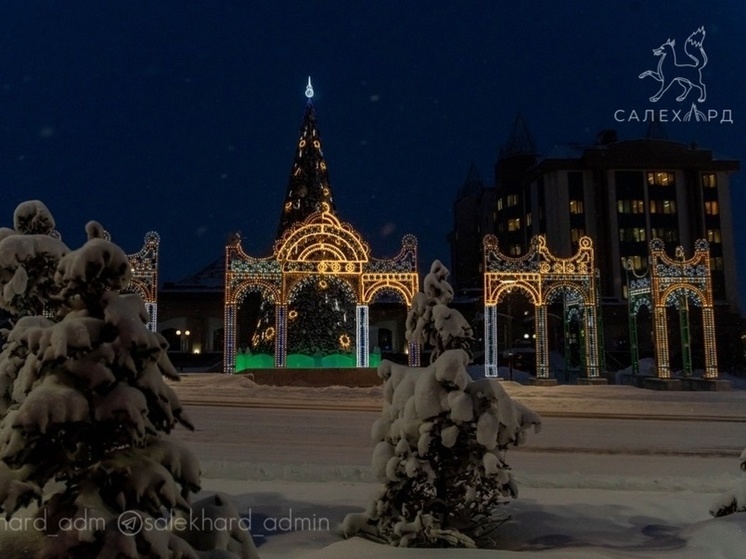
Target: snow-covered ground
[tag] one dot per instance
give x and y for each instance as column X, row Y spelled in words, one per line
column 560, row 512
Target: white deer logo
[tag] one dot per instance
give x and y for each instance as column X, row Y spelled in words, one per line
column 670, row 71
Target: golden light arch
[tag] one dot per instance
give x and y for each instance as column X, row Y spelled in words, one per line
column 320, row 246
column 543, row 277
column 672, row 282
column 500, row 289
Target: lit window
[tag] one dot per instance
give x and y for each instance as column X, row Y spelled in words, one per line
column 713, row 236
column 660, row 179
column 576, row 206
column 716, row 263
column 630, row 206
column 709, row 180
column 512, row 200
column 663, row 206
column 712, row 208
column 576, row 234
column 515, row 250
column 514, row 224
column 529, row 220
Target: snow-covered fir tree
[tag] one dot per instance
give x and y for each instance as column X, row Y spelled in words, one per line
column 431, row 322
column 441, row 439
column 86, row 413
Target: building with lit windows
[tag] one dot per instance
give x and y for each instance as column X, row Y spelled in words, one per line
column 622, row 194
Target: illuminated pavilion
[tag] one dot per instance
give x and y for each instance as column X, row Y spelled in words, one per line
column 320, row 271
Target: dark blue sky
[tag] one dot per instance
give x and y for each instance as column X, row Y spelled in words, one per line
column 182, row 116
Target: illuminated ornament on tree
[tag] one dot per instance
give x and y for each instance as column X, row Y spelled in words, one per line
column 309, row 88
column 269, row 334
column 344, row 341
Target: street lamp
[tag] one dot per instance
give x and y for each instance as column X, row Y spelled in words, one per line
column 183, row 340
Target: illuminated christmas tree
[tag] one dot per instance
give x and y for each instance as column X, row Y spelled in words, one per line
column 314, row 326
column 308, row 186
column 321, row 319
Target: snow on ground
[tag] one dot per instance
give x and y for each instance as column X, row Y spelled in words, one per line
column 300, row 520
column 206, row 388
column 559, row 514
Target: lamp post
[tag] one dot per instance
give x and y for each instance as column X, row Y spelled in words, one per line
column 183, row 340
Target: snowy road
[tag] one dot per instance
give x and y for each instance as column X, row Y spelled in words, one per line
column 591, row 488
column 338, row 439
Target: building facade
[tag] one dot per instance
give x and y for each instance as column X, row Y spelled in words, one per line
column 622, row 194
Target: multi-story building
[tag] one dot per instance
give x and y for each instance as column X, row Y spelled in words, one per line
column 622, row 194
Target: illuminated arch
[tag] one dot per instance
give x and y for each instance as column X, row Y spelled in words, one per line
column 673, row 281
column 264, row 288
column 671, row 296
column 138, row 286
column 302, row 281
column 542, row 276
column 566, row 288
column 320, row 246
column 403, row 292
column 144, row 264
column 322, row 238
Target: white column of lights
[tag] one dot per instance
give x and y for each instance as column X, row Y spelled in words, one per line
column 591, row 343
column 229, row 338
column 281, row 335
column 490, row 341
column 542, row 342
column 152, row 310
column 362, row 329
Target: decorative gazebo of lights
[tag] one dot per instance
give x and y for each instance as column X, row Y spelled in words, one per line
column 145, row 276
column 674, row 282
column 543, row 278
column 319, row 249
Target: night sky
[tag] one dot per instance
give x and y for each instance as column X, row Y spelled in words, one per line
column 182, row 116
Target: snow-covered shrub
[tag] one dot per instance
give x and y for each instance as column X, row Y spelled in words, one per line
column 440, row 442
column 735, row 499
column 86, row 413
